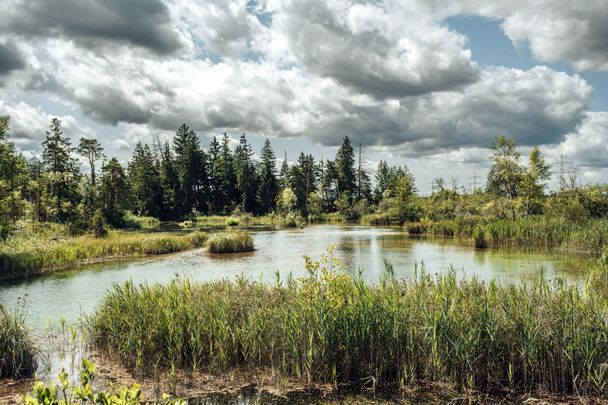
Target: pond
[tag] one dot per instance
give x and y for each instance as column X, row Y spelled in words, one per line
column 69, row 294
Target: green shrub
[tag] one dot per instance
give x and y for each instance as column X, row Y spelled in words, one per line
column 479, row 238
column 66, row 393
column 415, row 228
column 232, row 221
column 231, row 242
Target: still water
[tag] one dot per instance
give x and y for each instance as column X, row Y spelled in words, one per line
column 69, row 294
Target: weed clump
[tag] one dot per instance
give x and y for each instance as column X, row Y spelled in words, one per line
column 231, row 242
column 18, row 352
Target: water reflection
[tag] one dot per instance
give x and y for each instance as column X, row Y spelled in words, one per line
column 71, row 293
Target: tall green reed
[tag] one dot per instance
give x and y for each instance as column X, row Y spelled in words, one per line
column 331, row 327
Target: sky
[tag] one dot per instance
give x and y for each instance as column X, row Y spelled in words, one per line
column 423, row 83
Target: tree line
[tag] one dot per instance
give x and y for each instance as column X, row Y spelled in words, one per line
column 173, row 181
column 179, row 179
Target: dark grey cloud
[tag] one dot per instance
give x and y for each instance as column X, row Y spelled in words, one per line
column 111, row 105
column 10, row 58
column 95, row 23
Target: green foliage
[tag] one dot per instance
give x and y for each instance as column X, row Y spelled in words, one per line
column 590, row 236
column 333, row 328
column 112, row 193
column 61, row 176
column 191, row 165
column 479, row 237
column 269, row 187
column 18, row 353
column 145, row 182
column 66, row 393
column 231, row 242
column 345, row 169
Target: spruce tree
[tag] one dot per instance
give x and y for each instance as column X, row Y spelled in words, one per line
column 13, row 181
column 245, row 173
column 191, row 165
column 228, row 176
column 216, row 176
column 112, row 191
column 345, row 166
column 145, row 182
column 170, row 185
column 268, row 184
column 61, row 175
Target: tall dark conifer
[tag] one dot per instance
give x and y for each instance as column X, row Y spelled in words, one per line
column 246, row 178
column 62, row 174
column 145, row 182
column 345, row 166
column 268, row 184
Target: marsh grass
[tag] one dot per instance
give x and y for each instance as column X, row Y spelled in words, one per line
column 231, row 242
column 18, row 353
column 31, row 253
column 333, row 328
column 589, row 236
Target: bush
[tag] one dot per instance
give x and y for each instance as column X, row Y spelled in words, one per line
column 479, row 238
column 415, row 228
column 232, row 221
column 231, row 242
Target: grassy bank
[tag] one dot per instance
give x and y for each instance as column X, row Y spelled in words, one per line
column 332, row 328
column 32, row 253
column 17, row 350
column 231, row 242
column 590, row 236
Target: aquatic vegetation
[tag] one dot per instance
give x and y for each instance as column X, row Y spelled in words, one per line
column 133, row 221
column 590, row 236
column 331, row 327
column 231, row 242
column 18, row 352
column 30, row 254
column 67, row 393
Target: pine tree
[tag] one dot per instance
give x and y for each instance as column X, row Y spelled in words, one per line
column 92, row 150
column 191, row 165
column 61, row 175
column 345, row 166
column 268, row 184
column 246, row 178
column 228, row 176
column 382, row 180
column 284, row 173
column 329, row 186
column 170, row 184
column 13, row 181
column 216, row 167
column 144, row 180
column 112, row 191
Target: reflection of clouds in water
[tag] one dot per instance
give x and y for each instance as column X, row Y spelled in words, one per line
column 75, row 292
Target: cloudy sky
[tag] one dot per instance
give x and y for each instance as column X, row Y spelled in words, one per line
column 428, row 83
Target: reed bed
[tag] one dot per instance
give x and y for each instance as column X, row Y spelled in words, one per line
column 18, row 352
column 21, row 257
column 333, row 328
column 590, row 236
column 231, row 242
